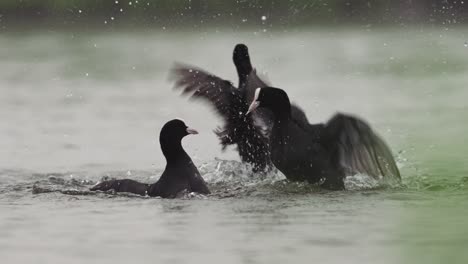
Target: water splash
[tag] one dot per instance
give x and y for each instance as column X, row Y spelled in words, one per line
column 361, row 182
column 226, row 178
column 229, row 171
column 236, row 177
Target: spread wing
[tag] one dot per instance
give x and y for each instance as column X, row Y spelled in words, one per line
column 231, row 104
column 227, row 100
column 359, row 149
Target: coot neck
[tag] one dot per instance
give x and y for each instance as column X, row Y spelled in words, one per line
column 174, row 153
column 282, row 113
column 280, row 126
column 243, row 67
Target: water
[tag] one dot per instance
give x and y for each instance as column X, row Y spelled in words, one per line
column 79, row 106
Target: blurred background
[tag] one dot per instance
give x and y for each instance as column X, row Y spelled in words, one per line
column 201, row 13
column 85, row 88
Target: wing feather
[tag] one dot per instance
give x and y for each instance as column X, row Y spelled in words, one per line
column 359, row 149
column 231, row 104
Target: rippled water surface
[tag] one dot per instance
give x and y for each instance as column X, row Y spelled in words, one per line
column 77, row 107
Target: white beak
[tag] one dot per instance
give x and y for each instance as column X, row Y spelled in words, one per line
column 255, row 103
column 191, row 131
column 252, row 107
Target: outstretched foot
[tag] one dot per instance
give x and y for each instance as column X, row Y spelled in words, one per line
column 125, row 185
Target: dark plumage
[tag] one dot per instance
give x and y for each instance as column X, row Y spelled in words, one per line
column 322, row 153
column 249, row 133
column 180, row 172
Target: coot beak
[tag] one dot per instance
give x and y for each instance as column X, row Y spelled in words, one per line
column 191, row 131
column 252, row 107
column 255, row 103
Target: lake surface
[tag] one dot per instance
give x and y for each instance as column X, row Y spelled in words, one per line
column 79, row 106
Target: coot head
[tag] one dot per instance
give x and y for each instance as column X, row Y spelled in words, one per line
column 174, row 131
column 241, row 59
column 274, row 99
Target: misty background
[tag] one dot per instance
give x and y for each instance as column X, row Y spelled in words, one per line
column 192, row 14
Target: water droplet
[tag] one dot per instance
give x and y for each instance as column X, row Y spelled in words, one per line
column 129, row 3
column 79, row 11
column 116, row 2
column 264, row 18
column 112, row 18
column 466, row 44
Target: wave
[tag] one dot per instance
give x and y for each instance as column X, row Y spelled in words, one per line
column 226, row 178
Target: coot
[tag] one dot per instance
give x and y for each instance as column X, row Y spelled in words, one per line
column 248, row 133
column 322, row 153
column 180, row 173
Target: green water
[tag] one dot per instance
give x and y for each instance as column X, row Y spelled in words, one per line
column 83, row 105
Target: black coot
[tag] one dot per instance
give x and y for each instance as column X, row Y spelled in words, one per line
column 249, row 133
column 180, row 172
column 322, row 153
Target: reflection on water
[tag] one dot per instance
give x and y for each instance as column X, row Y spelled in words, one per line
column 80, row 106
